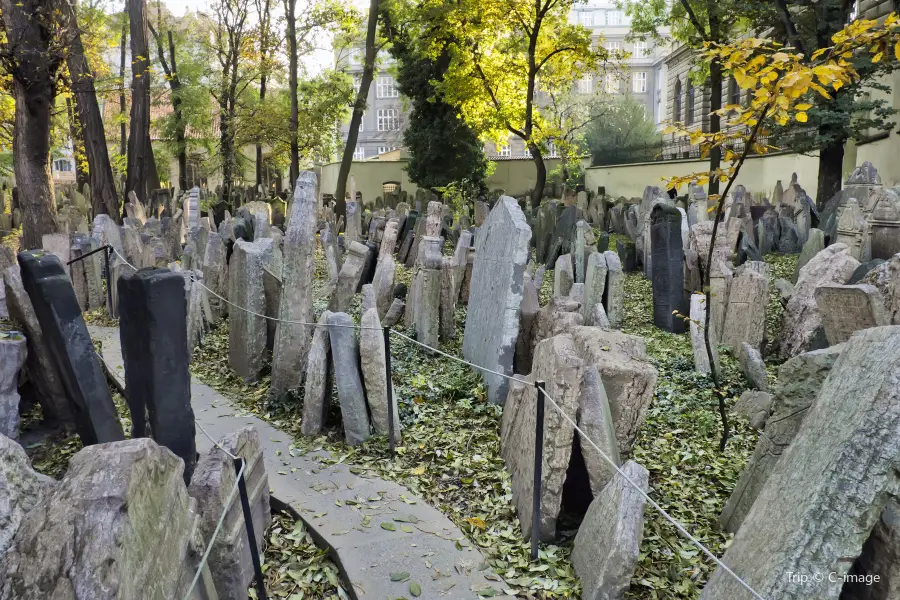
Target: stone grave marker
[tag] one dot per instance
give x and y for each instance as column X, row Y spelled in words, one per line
column 13, row 351
column 345, row 352
column 247, row 333
column 846, row 309
column 667, row 269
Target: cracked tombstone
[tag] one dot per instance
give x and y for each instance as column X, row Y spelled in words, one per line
column 374, row 370
column 345, row 352
column 319, row 379
column 846, row 309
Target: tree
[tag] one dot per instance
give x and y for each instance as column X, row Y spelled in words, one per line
column 141, row 175
column 443, row 148
column 785, row 82
column 623, row 135
column 695, row 23
column 173, row 76
column 499, row 53
column 32, row 54
column 850, row 112
column 359, row 105
column 266, row 47
column 104, row 198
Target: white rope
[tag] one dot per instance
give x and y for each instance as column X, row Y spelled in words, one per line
column 678, row 526
column 215, row 443
column 215, row 534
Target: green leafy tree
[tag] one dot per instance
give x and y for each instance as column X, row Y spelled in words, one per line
column 443, row 148
column 623, row 135
column 501, row 55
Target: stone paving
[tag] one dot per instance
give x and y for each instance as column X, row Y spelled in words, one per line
column 345, row 511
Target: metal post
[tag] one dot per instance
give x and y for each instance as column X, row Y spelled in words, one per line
column 109, row 300
column 251, row 536
column 390, row 389
column 538, row 467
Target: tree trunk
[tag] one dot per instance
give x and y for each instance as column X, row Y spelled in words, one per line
column 541, row 177
column 104, row 199
column 81, row 177
column 170, row 68
column 31, row 144
column 359, row 107
column 123, row 136
column 715, row 122
column 294, row 172
column 264, row 21
column 831, row 164
column 139, row 163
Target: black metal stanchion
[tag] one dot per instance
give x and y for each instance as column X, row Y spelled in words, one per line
column 109, row 300
column 538, row 467
column 390, row 389
column 251, row 536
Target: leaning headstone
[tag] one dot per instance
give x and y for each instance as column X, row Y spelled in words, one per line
column 667, row 269
column 698, row 337
column 153, row 333
column 345, row 351
column 350, row 277
column 373, row 362
column 563, row 276
column 394, row 313
column 247, row 332
column 298, row 271
column 745, row 315
column 594, row 285
column 814, row 244
column 846, row 309
column 495, row 293
column 798, row 523
column 21, row 489
column 607, row 546
column 39, row 365
column 319, row 376
column 614, row 294
column 383, row 284
column 65, row 332
column 426, row 294
column 802, row 327
column 13, row 350
column 132, row 534
column 58, row 244
column 753, row 367
column 627, row 255
column 596, row 422
column 230, row 562
column 582, row 230
column 215, row 275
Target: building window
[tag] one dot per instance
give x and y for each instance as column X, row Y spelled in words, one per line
column 386, row 149
column 388, row 120
column 359, row 153
column 613, row 46
column 689, row 104
column 612, row 83
column 641, row 50
column 503, row 149
column 527, row 152
column 551, row 150
column 356, row 83
column 734, row 92
column 640, row 83
column 386, row 87
column 614, row 17
column 62, row 165
column 586, row 18
column 676, row 109
column 586, row 85
column 362, row 121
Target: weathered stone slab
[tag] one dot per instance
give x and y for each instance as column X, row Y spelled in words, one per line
column 754, row 407
column 846, row 309
column 802, row 329
column 753, row 367
column 132, row 536
column 814, row 244
column 495, row 293
column 528, row 316
column 345, row 352
column 614, row 294
column 799, row 382
column 877, row 569
column 745, row 315
column 448, row 300
column 563, row 276
column 667, row 272
column 606, row 549
column 58, row 244
column 839, row 470
column 247, row 332
column 886, row 277
column 698, row 338
column 66, row 334
column 298, row 271
column 13, row 351
column 373, row 363
column 557, row 363
column 594, row 285
column 230, row 562
column 595, row 420
column 153, row 334
column 215, row 275
column 394, row 313
column 383, row 284
column 350, row 277
column 21, row 489
column 319, row 376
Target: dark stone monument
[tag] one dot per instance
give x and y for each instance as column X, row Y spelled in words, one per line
column 153, row 330
column 628, row 255
column 789, row 240
column 409, row 224
column 603, row 242
column 864, row 269
column 368, row 274
column 667, row 264
column 56, row 307
column 242, row 230
column 405, row 247
column 768, row 231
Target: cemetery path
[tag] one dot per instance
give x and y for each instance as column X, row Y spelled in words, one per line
column 376, row 530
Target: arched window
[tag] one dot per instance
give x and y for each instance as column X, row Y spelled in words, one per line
column 734, row 92
column 676, row 116
column 689, row 104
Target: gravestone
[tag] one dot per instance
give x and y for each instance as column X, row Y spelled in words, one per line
column 884, row 227
column 606, row 548
column 319, row 379
column 353, row 232
column 594, row 286
column 853, row 230
column 698, row 338
column 563, row 276
column 13, row 351
column 544, row 226
column 745, row 315
column 345, row 353
column 383, row 284
column 846, row 309
column 447, row 300
column 495, row 293
column 528, row 315
column 814, row 244
column 21, row 489
column 582, row 230
column 627, row 255
column 753, row 367
column 768, row 231
column 389, row 239
column 425, row 309
column 596, row 422
column 667, row 268
column 155, row 350
column 563, row 238
column 373, row 363
column 215, row 275
column 297, row 275
column 614, row 294
column 247, row 332
column 350, row 277
column 58, row 244
column 798, row 523
column 66, row 334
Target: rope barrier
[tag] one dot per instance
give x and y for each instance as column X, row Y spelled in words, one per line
column 215, row 443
